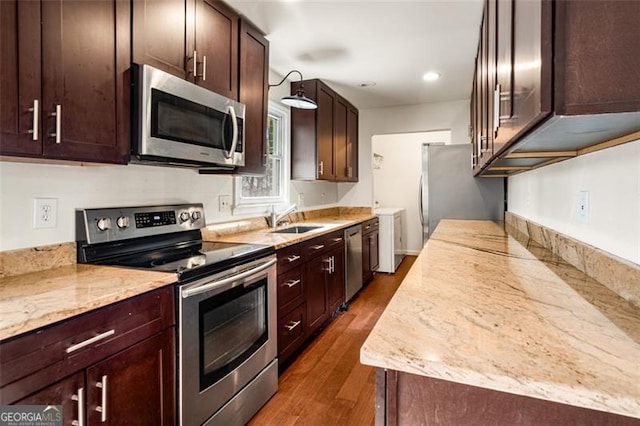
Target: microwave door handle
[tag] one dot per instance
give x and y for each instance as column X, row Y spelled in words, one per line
column 234, row 140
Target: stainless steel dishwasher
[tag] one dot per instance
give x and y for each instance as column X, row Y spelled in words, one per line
column 353, row 254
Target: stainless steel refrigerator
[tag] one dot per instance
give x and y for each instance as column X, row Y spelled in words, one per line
column 448, row 189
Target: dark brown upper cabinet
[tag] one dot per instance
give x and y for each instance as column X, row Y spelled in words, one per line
column 561, row 82
column 215, row 44
column 65, row 80
column 196, row 40
column 160, row 35
column 254, row 93
column 324, row 141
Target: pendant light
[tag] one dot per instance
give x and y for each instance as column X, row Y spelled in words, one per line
column 299, row 100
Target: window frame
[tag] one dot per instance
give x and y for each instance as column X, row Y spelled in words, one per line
column 247, row 205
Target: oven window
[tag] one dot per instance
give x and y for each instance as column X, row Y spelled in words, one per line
column 181, row 120
column 233, row 325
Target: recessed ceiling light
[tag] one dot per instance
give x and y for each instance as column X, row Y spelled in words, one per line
column 367, row 83
column 431, row 76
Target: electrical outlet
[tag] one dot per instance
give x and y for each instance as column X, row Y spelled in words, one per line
column 583, row 207
column 300, row 199
column 45, row 213
column 224, row 204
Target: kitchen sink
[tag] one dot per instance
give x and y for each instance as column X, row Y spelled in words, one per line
column 296, row 230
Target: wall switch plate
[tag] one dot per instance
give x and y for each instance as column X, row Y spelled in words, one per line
column 45, row 213
column 583, row 207
column 300, row 202
column 224, row 204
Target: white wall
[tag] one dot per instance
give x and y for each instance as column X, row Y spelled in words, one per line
column 452, row 115
column 549, row 196
column 396, row 182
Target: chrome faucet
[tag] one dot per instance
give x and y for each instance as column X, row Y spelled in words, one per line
column 274, row 218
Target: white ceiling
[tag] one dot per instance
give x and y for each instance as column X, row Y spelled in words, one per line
column 392, row 43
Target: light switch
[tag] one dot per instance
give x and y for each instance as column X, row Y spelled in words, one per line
column 583, row 207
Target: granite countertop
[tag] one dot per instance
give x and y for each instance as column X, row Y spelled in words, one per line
column 266, row 236
column 481, row 309
column 37, row 299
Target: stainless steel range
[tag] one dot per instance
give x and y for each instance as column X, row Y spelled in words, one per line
column 225, row 298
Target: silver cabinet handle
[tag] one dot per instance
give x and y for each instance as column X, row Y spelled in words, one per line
column 102, row 409
column 328, row 262
column 293, row 258
column 195, row 64
column 350, row 171
column 367, row 227
column 496, row 108
column 79, row 396
column 336, row 240
column 321, row 168
column 291, row 326
column 333, row 264
column 292, row 283
column 36, row 119
column 318, row 247
column 58, row 116
column 204, row 68
column 90, row 341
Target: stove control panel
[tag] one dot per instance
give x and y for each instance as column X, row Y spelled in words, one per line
column 114, row 224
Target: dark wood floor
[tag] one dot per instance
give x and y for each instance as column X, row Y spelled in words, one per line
column 327, row 385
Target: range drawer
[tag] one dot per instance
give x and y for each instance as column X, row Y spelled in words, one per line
column 80, row 341
column 291, row 331
column 290, row 289
column 290, row 257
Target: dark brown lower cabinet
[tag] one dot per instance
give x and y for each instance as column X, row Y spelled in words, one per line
column 127, row 376
column 310, row 289
column 370, row 253
column 409, row 399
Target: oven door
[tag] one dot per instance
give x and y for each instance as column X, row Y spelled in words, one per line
column 227, row 336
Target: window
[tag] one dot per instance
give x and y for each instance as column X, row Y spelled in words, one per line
column 253, row 193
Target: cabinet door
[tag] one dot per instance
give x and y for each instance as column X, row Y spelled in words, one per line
column 20, row 78
column 216, row 44
column 69, row 393
column 325, row 131
column 374, row 257
column 137, row 383
column 366, row 249
column 159, row 36
column 316, row 292
column 335, row 280
column 505, row 69
column 352, row 144
column 531, row 86
column 85, row 52
column 340, row 139
column 254, row 86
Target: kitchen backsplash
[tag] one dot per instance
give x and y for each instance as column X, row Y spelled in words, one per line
column 617, row 274
column 110, row 185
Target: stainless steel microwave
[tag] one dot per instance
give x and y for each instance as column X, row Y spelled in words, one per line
column 178, row 123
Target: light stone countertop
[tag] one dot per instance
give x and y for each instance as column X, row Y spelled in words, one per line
column 266, row 236
column 37, row 299
column 481, row 309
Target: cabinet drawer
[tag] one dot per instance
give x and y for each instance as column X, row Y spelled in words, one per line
column 290, row 288
column 370, row 226
column 291, row 331
column 290, row 257
column 335, row 239
column 73, row 344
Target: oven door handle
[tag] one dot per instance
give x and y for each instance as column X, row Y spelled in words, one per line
column 215, row 284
